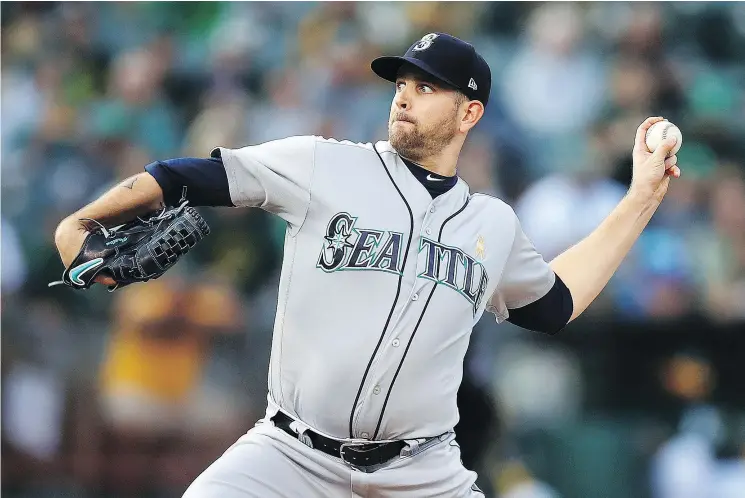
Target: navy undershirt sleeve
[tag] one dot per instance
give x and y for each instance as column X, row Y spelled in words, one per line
column 205, row 180
column 549, row 314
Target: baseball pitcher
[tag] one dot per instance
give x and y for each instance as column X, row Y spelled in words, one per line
column 389, row 261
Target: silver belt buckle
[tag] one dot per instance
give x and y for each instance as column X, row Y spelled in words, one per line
column 341, row 454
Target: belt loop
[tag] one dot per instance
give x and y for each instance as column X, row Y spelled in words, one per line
column 410, row 449
column 301, row 429
column 271, row 412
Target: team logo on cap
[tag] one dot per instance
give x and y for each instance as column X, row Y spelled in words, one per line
column 425, row 42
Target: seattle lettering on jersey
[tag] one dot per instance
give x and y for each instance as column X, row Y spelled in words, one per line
column 453, row 268
column 348, row 248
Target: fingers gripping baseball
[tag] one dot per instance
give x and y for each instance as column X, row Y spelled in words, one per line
column 659, row 165
column 640, row 143
column 671, row 168
column 660, row 159
column 654, row 157
column 665, row 148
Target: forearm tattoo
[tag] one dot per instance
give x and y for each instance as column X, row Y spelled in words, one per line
column 131, row 184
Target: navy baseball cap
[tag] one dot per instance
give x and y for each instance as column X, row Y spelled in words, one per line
column 448, row 59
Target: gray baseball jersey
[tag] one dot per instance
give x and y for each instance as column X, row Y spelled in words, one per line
column 381, row 285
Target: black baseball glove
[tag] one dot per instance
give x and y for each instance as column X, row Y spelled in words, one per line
column 138, row 251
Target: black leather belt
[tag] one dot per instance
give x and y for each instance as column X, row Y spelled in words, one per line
column 358, row 455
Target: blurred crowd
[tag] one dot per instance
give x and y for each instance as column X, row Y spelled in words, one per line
column 133, row 393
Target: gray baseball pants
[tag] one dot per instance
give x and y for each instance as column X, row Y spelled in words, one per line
column 266, row 462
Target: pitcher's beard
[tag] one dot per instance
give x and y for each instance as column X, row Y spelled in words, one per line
column 415, row 145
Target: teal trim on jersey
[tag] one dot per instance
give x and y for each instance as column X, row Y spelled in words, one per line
column 325, row 246
column 462, row 260
column 373, row 252
column 377, row 247
column 437, row 279
column 368, row 269
column 370, row 250
column 76, row 272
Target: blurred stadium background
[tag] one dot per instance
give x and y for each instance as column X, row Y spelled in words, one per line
column 134, row 393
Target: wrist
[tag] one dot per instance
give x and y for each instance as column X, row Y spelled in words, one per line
column 69, row 225
column 68, row 237
column 641, row 202
column 642, row 196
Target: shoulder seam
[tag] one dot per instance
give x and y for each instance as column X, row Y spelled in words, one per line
column 347, row 143
column 489, row 196
column 310, row 190
column 494, row 198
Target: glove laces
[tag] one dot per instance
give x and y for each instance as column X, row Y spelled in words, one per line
column 111, row 232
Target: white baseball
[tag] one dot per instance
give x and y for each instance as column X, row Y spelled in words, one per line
column 659, row 132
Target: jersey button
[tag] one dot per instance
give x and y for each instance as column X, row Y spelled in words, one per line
column 415, row 297
column 376, row 390
column 428, row 231
column 365, row 435
column 431, row 210
column 395, row 343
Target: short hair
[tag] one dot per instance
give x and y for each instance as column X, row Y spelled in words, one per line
column 460, row 98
